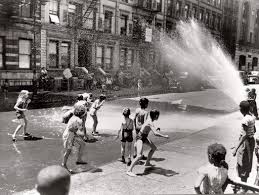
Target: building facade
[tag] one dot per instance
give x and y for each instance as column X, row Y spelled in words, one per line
column 107, row 35
column 247, row 48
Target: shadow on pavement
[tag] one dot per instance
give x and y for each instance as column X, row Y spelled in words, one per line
column 86, row 168
column 158, row 159
column 159, row 170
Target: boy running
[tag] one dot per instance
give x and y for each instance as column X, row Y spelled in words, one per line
column 142, row 138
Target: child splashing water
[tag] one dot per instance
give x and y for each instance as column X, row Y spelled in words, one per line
column 214, row 176
column 127, row 135
column 142, row 138
column 20, row 107
column 70, row 136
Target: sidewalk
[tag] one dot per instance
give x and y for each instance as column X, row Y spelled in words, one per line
column 175, row 170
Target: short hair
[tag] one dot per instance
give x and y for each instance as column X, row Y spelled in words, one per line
column 126, row 112
column 79, row 109
column 253, row 90
column 102, row 97
column 217, row 153
column 53, row 180
column 244, row 106
column 23, row 93
column 153, row 113
column 80, row 97
column 143, row 102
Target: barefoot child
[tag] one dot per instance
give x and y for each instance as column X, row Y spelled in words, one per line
column 142, row 138
column 93, row 112
column 127, row 135
column 141, row 116
column 213, row 177
column 20, row 107
column 70, row 136
column 246, row 144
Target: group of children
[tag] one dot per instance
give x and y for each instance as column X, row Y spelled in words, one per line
column 213, row 177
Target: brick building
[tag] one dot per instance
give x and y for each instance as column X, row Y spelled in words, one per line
column 96, row 34
column 247, row 48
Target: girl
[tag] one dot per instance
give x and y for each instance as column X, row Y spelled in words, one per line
column 20, row 107
column 142, row 138
column 213, row 176
column 246, row 144
column 93, row 112
column 127, row 135
column 70, row 136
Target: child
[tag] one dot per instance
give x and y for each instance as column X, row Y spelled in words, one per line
column 53, row 180
column 139, row 87
column 93, row 112
column 20, row 107
column 5, row 89
column 213, row 176
column 252, row 101
column 141, row 116
column 127, row 135
column 246, row 144
column 70, row 136
column 142, row 138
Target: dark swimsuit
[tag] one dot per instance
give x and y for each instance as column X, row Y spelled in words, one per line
column 20, row 114
column 127, row 135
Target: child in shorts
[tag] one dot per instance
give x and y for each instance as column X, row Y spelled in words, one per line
column 246, row 144
column 141, row 116
column 93, row 112
column 20, row 107
column 70, row 136
column 126, row 136
column 142, row 138
column 213, row 177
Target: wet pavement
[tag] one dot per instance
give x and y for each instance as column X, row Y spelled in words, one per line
column 21, row 161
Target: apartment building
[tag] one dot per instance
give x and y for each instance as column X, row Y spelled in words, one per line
column 247, row 48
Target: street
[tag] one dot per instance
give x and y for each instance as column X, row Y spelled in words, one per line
column 28, row 157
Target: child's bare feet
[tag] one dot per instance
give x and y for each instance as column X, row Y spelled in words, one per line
column 65, row 166
column 129, row 173
column 149, row 165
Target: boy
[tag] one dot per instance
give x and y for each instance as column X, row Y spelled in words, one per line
column 93, row 112
column 141, row 116
column 142, row 138
column 252, row 101
column 5, row 89
column 53, row 180
column 246, row 144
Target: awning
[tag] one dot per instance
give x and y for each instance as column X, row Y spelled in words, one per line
column 54, row 18
column 102, row 71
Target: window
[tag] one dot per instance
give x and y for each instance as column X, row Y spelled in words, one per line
column 201, row 15
column 108, row 58
column 178, row 9
column 124, row 21
column 53, row 7
column 170, row 7
column 159, row 5
column 213, row 2
column 130, row 58
column 213, row 21
column 53, row 54
column 24, row 53
column 194, row 12
column 65, row 55
column 186, row 11
column 207, row 18
column 122, row 57
column 25, row 9
column 1, row 52
column 219, row 3
column 99, row 56
column 74, row 14
column 108, row 21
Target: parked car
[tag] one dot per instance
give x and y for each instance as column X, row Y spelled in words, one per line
column 253, row 77
column 244, row 77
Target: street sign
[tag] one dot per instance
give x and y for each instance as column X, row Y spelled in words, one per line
column 148, row 35
column 67, row 73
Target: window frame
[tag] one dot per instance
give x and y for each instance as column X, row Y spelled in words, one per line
column 123, row 30
column 111, row 58
column 22, row 7
column 97, row 57
column 53, row 12
column 57, row 54
column 108, row 20
column 68, row 54
column 22, row 54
